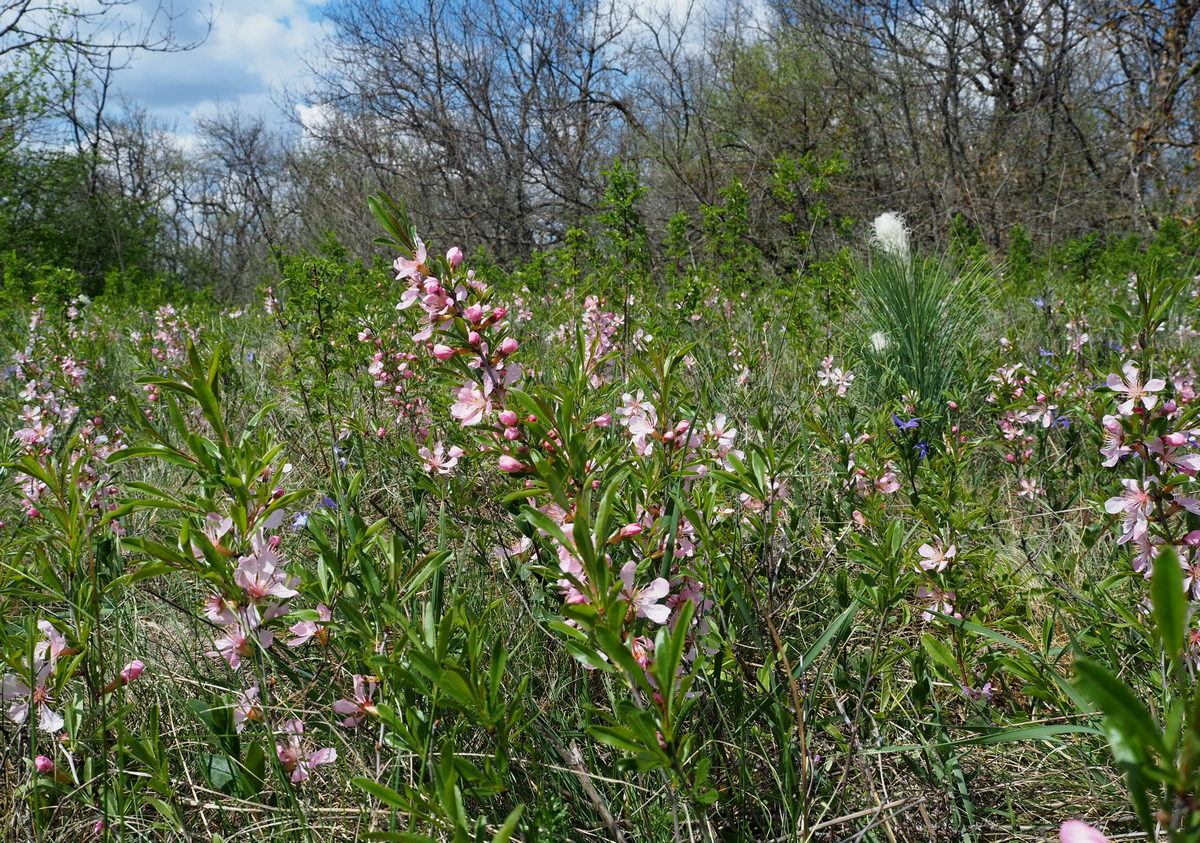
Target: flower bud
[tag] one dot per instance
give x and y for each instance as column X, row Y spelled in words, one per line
column 474, row 338
column 128, row 673
column 473, row 314
column 512, row 465
column 131, row 671
column 443, row 352
column 512, row 433
column 508, row 346
column 454, row 257
column 508, row 418
column 43, row 764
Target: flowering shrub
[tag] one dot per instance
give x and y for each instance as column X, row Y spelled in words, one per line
column 443, row 552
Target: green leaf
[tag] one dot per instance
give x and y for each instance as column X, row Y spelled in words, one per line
column 994, row 736
column 939, row 652
column 668, row 650
column 1170, row 603
column 619, row 653
column 539, row 520
column 506, row 831
column 619, row 737
column 381, row 792
column 1130, row 727
column 834, row 630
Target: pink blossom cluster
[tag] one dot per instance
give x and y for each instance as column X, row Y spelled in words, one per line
column 1026, row 403
column 600, row 329
column 23, row 700
column 167, row 343
column 467, row 328
column 656, row 601
column 936, row 557
column 53, row 377
column 294, row 756
column 1031, row 401
column 393, row 371
column 1143, row 434
column 831, row 377
column 265, row 589
column 460, row 328
column 867, row 479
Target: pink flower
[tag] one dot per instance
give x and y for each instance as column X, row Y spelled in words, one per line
column 260, row 576
column 444, row 352
column 519, row 547
column 219, row 610
column 238, row 641
column 39, row 697
column 55, row 644
column 983, row 694
column 887, row 483
column 1165, row 447
column 471, row 406
column 246, row 708
column 645, row 600
column 935, row 557
column 1029, row 488
column 936, row 601
column 360, row 704
column 1114, row 442
column 1074, row 831
column 1135, row 503
column 507, row 346
column 438, row 460
column 305, row 631
column 128, row 673
column 454, row 257
column 43, row 764
column 411, row 268
column 292, row 756
column 1134, row 390
column 642, row 649
column 721, row 434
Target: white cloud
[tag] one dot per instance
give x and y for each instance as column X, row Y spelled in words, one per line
column 252, row 51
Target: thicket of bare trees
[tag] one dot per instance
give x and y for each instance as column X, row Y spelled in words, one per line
column 496, row 120
column 1064, row 117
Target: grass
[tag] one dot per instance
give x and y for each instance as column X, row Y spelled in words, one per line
column 820, row 704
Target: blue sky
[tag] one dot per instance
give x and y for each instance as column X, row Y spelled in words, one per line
column 254, row 49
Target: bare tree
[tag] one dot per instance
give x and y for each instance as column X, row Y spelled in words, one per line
column 1152, row 78
column 499, row 115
